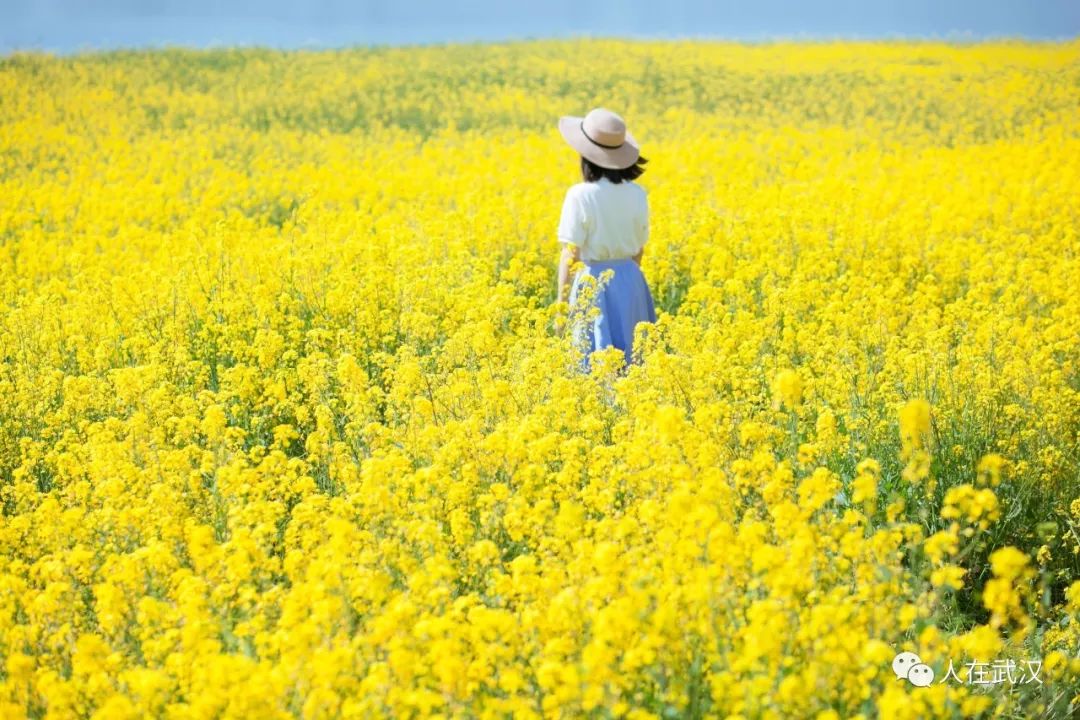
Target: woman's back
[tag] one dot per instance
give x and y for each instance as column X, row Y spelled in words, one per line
column 606, row 220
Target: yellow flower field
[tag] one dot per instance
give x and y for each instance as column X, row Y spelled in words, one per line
column 289, row 428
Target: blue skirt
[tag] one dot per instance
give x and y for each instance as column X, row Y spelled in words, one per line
column 622, row 303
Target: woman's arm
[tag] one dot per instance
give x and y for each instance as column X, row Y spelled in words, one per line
column 569, row 256
column 637, row 258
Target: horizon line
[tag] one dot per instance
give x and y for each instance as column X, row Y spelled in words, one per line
column 958, row 37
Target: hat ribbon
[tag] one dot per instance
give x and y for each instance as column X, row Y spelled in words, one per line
column 609, row 147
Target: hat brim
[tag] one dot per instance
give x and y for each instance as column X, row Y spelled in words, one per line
column 612, row 158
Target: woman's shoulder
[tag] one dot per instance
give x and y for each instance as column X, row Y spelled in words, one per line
column 640, row 194
column 577, row 189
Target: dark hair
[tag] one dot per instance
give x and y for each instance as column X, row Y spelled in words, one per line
column 591, row 172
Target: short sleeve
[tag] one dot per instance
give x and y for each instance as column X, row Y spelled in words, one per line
column 572, row 222
column 643, row 221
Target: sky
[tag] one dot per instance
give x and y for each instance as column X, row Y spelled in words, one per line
column 65, row 26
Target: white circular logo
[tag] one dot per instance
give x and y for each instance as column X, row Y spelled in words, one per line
column 920, row 675
column 910, row 667
column 903, row 662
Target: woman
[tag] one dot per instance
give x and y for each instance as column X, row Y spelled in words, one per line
column 605, row 223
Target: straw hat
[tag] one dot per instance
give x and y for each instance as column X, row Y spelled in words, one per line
column 602, row 137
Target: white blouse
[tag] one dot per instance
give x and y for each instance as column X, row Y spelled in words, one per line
column 605, row 220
